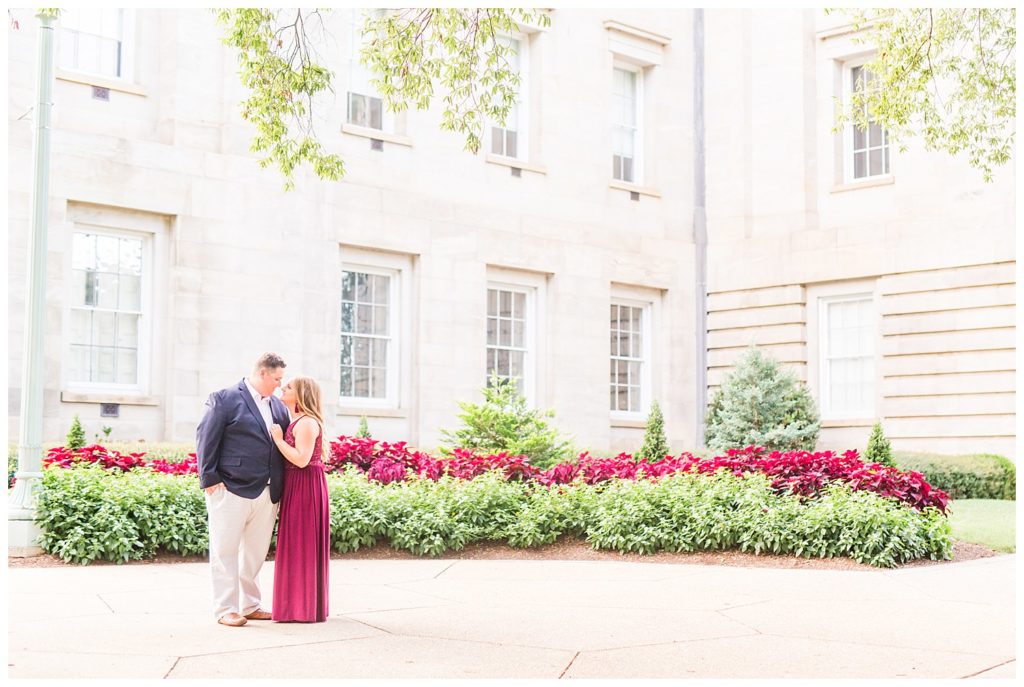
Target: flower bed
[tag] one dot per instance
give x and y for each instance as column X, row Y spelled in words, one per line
column 92, row 513
column 796, row 472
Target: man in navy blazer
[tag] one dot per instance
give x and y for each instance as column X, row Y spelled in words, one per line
column 242, row 474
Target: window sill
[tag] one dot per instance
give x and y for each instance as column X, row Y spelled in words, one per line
column 99, row 397
column 628, row 423
column 866, row 183
column 367, row 132
column 493, row 159
column 100, row 81
column 355, row 411
column 633, row 188
column 847, row 423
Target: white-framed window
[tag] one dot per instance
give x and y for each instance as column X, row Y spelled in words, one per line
column 867, row 149
column 96, row 41
column 512, row 139
column 630, row 364
column 363, row 104
column 510, row 334
column 370, row 329
column 846, row 365
column 627, row 117
column 109, row 306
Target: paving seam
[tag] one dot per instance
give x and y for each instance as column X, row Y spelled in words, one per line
column 674, row 641
column 998, row 665
column 573, row 660
column 475, row 641
column 275, row 646
column 447, row 568
column 171, row 670
column 100, row 597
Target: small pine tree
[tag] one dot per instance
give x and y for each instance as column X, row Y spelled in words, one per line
column 504, row 422
column 879, row 448
column 76, row 435
column 364, row 429
column 763, row 404
column 655, row 446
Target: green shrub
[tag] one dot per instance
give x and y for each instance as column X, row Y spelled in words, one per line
column 974, row 476
column 655, row 446
column 171, row 452
column 89, row 513
column 76, row 435
column 364, row 429
column 763, row 404
column 12, row 463
column 879, row 449
column 504, row 422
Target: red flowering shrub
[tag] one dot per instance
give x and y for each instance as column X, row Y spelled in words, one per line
column 95, row 453
column 799, row 472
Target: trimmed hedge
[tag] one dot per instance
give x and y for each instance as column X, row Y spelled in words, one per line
column 88, row 513
column 974, row 476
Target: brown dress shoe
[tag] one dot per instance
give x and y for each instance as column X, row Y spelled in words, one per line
column 232, row 620
column 258, row 614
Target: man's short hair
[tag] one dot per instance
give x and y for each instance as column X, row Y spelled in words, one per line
column 269, row 361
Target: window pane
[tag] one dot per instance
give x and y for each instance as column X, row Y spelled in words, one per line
column 860, row 165
column 131, row 256
column 364, row 319
column 627, row 169
column 511, row 147
column 127, row 366
column 362, row 350
column 504, row 333
column 79, row 364
column 492, row 301
column 380, row 320
column 346, row 350
column 379, row 348
column 83, row 252
column 885, row 162
column 874, row 135
column 859, row 138
column 518, row 333
column 875, row 157
column 128, row 331
column 492, row 331
column 106, row 290
column 347, row 317
column 103, row 365
column 376, row 114
column 103, row 329
column 129, row 292
column 378, row 382
column 516, row 363
column 497, row 140
column 107, row 253
column 362, row 287
column 505, row 309
column 361, row 386
column 346, row 381
column 502, row 362
column 348, row 286
column 519, row 303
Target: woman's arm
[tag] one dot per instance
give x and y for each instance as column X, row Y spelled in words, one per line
column 305, row 433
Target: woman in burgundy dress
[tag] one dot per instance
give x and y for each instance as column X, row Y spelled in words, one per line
column 301, row 563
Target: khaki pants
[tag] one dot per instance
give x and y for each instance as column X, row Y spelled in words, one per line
column 240, row 533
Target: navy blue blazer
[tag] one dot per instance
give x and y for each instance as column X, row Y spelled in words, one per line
column 233, row 445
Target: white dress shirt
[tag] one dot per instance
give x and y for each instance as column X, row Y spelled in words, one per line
column 263, row 403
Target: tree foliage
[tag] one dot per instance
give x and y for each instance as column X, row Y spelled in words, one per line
column 947, row 76
column 879, row 449
column 655, row 446
column 762, row 404
column 76, row 435
column 413, row 53
column 504, row 422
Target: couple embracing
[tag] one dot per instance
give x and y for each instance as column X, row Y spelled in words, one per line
column 258, row 454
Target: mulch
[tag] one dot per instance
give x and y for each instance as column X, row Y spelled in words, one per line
column 567, row 549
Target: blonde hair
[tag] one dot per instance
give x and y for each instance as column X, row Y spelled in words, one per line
column 307, row 400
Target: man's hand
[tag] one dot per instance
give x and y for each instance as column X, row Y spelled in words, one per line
column 214, row 489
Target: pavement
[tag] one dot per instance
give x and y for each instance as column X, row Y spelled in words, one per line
column 526, row 619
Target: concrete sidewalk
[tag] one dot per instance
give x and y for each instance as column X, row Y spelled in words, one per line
column 527, row 619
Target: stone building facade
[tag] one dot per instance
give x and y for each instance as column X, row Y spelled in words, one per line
column 561, row 254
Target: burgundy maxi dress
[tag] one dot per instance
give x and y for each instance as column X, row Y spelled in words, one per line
column 301, row 563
